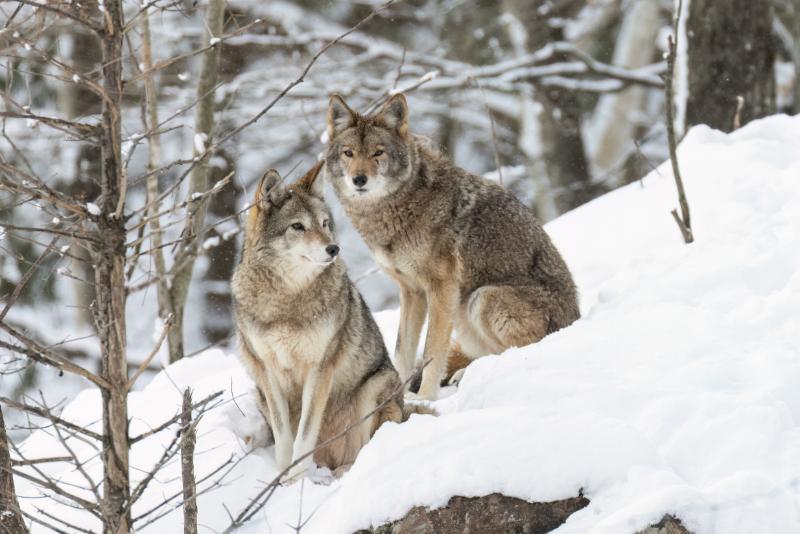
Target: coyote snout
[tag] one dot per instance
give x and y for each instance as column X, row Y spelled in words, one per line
column 319, row 249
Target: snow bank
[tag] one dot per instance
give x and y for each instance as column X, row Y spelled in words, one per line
column 676, row 393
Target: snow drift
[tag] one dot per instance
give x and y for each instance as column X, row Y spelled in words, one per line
column 677, row 392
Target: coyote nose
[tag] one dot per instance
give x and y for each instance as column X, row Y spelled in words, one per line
column 360, row 180
column 333, row 250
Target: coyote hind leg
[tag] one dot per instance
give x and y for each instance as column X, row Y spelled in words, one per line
column 381, row 394
column 510, row 316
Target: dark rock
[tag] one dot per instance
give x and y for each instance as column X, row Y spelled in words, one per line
column 668, row 525
column 495, row 514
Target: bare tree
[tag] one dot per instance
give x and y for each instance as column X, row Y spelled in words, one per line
column 188, row 441
column 10, row 515
column 731, row 53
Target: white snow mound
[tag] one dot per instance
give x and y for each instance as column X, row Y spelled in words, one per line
column 677, row 392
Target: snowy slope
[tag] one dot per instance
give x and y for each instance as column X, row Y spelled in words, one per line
column 677, row 392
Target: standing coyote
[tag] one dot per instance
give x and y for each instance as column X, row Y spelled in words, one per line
column 307, row 338
column 463, row 249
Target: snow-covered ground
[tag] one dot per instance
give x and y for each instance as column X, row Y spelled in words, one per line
column 677, row 392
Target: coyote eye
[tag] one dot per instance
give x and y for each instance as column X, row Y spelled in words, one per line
column 298, row 226
column 325, row 223
column 377, row 153
column 348, row 153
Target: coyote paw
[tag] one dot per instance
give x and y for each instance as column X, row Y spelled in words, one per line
column 412, row 397
column 421, row 397
column 322, row 475
column 295, row 473
column 456, row 378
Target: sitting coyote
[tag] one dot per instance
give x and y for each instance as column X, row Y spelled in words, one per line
column 464, row 251
column 307, row 338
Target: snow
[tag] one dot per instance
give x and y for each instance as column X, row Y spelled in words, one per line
column 200, row 142
column 675, row 393
column 211, row 242
column 93, row 209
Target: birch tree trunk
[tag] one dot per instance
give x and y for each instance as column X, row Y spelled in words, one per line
column 199, row 181
column 109, row 259
column 10, row 516
column 731, row 52
column 610, row 133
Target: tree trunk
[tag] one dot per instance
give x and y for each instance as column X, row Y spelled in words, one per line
column 77, row 100
column 188, row 442
column 796, row 55
column 217, row 324
column 165, row 303
column 611, row 131
column 731, row 52
column 198, row 183
column 550, row 122
column 109, row 260
column 10, row 516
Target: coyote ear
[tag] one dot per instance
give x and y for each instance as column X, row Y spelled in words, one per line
column 270, row 191
column 312, row 183
column 340, row 116
column 394, row 114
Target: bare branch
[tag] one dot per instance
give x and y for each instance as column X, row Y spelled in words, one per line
column 26, row 278
column 47, row 414
column 683, row 221
column 196, row 406
column 41, row 354
column 146, row 362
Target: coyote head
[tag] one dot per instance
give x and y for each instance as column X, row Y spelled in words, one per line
column 290, row 227
column 368, row 157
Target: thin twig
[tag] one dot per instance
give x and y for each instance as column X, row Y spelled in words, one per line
column 143, row 366
column 683, row 221
column 45, row 412
column 172, row 420
column 27, row 277
column 494, row 133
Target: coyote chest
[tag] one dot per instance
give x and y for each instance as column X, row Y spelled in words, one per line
column 291, row 350
column 399, row 262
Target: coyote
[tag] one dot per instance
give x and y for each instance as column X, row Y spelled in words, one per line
column 307, row 338
column 464, row 251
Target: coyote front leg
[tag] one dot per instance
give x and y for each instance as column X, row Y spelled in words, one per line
column 441, row 305
column 273, row 405
column 278, row 408
column 412, row 316
column 316, row 390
